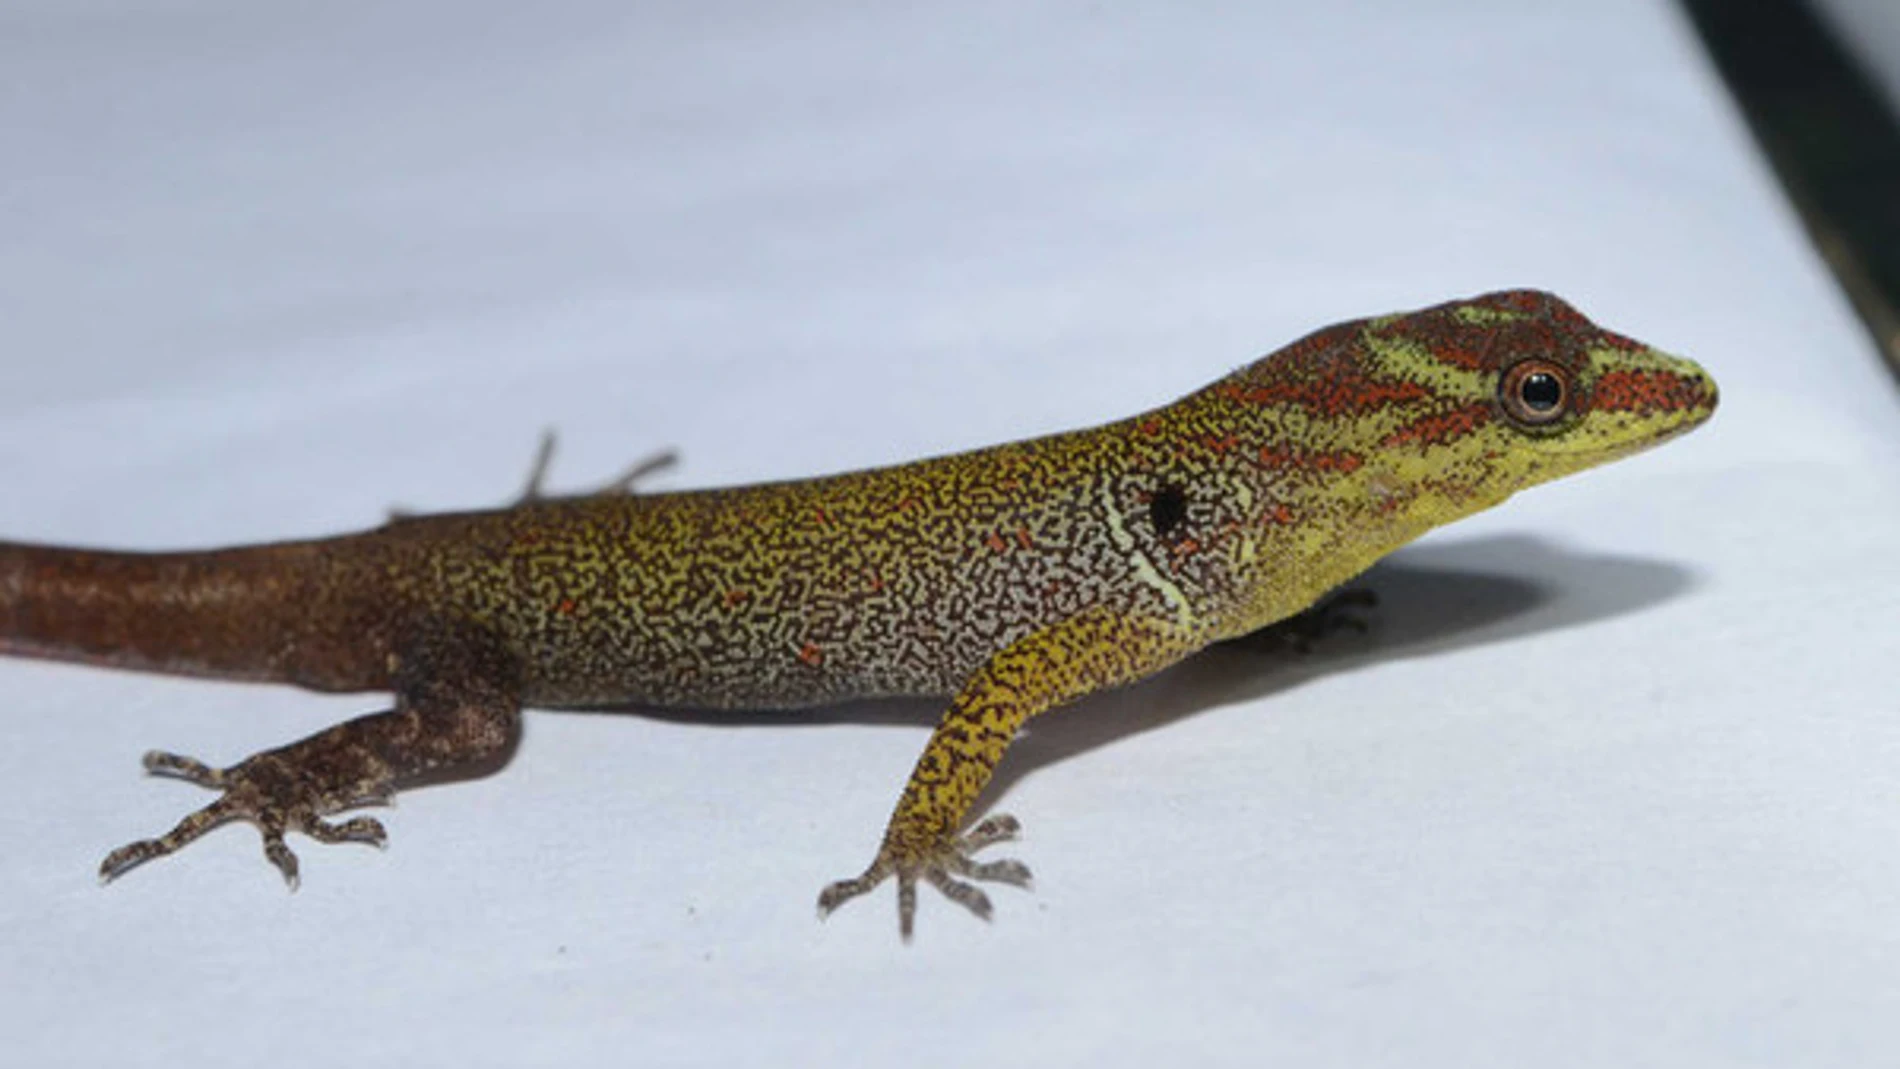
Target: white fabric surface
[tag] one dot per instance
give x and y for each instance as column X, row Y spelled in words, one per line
column 1611, row 783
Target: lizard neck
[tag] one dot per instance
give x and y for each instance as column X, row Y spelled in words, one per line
column 1304, row 482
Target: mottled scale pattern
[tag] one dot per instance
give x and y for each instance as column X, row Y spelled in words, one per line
column 1014, row 579
column 897, row 581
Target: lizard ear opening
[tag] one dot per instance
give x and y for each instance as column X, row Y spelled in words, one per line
column 1167, row 508
column 1535, row 393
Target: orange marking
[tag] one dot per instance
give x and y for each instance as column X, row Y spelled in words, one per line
column 1221, row 446
column 1459, row 356
column 1338, row 391
column 995, row 542
column 1150, row 426
column 908, row 502
column 1280, row 514
column 1186, row 547
column 1022, row 537
column 1645, row 392
column 566, row 607
column 1518, row 300
column 1618, row 341
column 1279, row 457
column 1442, row 427
column 824, row 518
column 811, row 654
column 737, row 595
column 876, row 580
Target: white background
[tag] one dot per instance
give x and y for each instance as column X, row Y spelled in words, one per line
column 1612, row 782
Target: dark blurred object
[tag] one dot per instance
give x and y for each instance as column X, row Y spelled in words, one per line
column 1831, row 137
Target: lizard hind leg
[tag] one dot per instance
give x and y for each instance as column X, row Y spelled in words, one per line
column 624, row 483
column 243, row 800
column 458, row 708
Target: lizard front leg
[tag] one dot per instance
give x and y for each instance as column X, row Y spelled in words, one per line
column 1049, row 667
column 457, row 705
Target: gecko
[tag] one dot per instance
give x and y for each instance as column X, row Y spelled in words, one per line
column 1010, row 580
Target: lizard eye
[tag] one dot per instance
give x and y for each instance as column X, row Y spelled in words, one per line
column 1535, row 393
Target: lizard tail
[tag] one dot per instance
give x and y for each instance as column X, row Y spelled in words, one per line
column 230, row 614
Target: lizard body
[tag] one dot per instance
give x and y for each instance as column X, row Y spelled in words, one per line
column 1014, row 578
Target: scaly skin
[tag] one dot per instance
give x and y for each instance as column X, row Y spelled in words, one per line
column 1016, row 578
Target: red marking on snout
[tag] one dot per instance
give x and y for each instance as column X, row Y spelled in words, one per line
column 1647, row 392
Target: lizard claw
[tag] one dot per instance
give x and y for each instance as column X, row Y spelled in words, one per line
column 940, row 868
column 258, row 790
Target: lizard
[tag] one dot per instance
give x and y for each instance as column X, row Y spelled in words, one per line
column 1012, row 579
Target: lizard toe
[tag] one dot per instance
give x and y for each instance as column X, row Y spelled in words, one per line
column 946, row 866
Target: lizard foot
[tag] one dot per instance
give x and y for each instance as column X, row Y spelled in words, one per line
column 264, row 790
column 940, row 868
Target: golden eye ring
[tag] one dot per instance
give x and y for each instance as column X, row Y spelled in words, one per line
column 1535, row 393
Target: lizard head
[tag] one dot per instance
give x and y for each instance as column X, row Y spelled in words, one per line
column 1507, row 390
column 1363, row 436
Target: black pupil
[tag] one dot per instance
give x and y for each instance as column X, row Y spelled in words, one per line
column 1168, row 508
column 1541, row 391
